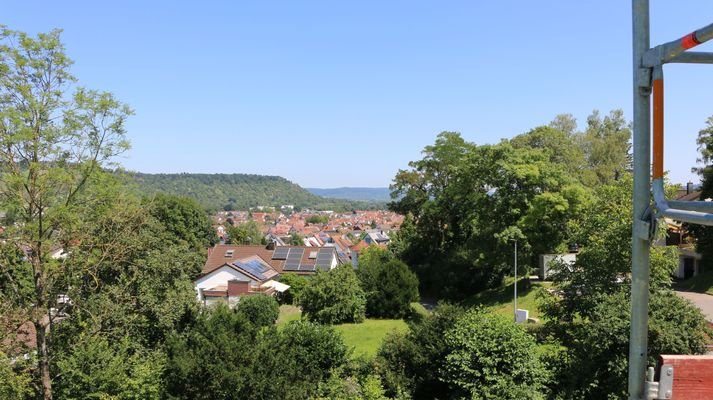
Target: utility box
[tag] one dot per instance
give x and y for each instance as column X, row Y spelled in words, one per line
column 548, row 261
column 521, row 316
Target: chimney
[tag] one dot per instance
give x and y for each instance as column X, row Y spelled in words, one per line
column 689, row 187
column 237, row 287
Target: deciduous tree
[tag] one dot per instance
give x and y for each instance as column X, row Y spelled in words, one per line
column 52, row 142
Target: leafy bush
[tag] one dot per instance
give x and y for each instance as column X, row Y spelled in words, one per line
column 490, row 357
column 297, row 284
column 334, row 297
column 390, row 288
column 260, row 309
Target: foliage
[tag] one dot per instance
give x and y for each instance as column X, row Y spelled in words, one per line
column 296, row 239
column 297, row 284
column 412, row 362
column 606, row 145
column 248, row 232
column 390, row 286
column 15, row 380
column 599, row 344
column 704, row 234
column 240, row 191
column 317, row 219
column 260, row 309
column 465, row 203
column 53, row 142
column 294, row 360
column 98, row 369
column 603, row 264
column 490, row 357
column 202, row 362
column 333, row 297
column 183, row 219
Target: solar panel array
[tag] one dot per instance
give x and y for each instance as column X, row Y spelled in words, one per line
column 254, row 267
column 294, row 258
column 280, row 253
column 324, row 258
column 307, row 267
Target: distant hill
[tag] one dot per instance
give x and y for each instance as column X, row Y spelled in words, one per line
column 239, row 191
column 354, row 193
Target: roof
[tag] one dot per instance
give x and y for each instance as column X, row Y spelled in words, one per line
column 222, row 254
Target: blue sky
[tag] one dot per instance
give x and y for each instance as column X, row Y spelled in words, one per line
column 344, row 93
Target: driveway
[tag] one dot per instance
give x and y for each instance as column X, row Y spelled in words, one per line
column 702, row 300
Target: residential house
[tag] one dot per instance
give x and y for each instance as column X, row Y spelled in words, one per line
column 232, row 271
column 377, row 237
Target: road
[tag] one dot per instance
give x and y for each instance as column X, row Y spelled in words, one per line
column 702, row 300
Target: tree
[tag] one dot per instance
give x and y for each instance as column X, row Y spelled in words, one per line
column 334, row 297
column 295, row 360
column 296, row 239
column 606, row 145
column 704, row 234
column 389, row 285
column 490, row 357
column 261, row 310
column 599, row 344
column 565, row 123
column 588, row 313
column 202, row 362
column 413, row 362
column 183, row 219
column 248, row 232
column 51, row 145
column 296, row 283
column 465, row 203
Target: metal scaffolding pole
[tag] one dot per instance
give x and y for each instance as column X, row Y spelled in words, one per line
column 642, row 184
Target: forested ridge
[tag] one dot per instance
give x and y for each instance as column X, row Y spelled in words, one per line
column 238, row 191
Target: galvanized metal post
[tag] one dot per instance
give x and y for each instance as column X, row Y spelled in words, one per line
column 641, row 200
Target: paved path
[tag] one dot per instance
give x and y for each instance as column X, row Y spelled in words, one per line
column 702, row 300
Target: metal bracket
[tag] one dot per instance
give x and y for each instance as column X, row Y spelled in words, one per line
column 643, row 81
column 663, row 389
column 645, row 227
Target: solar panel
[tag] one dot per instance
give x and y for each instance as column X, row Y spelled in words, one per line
column 324, row 258
column 305, row 267
column 280, row 253
column 290, row 267
column 254, row 267
column 295, row 254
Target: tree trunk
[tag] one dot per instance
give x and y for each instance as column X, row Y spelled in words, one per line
column 41, row 329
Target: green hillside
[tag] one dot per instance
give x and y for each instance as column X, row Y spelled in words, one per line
column 239, row 191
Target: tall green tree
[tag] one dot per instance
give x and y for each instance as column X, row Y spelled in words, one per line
column 183, row 219
column 465, row 203
column 333, row 297
column 54, row 136
column 607, row 145
column 248, row 232
column 704, row 169
column 389, row 285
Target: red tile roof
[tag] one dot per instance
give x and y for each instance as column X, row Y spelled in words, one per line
column 217, row 257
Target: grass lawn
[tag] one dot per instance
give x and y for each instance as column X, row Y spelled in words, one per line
column 500, row 300
column 366, row 337
column 288, row 313
column 703, row 283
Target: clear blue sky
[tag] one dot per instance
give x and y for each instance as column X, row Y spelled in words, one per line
column 344, row 93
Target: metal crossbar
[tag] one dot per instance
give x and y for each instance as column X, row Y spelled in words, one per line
column 648, row 78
